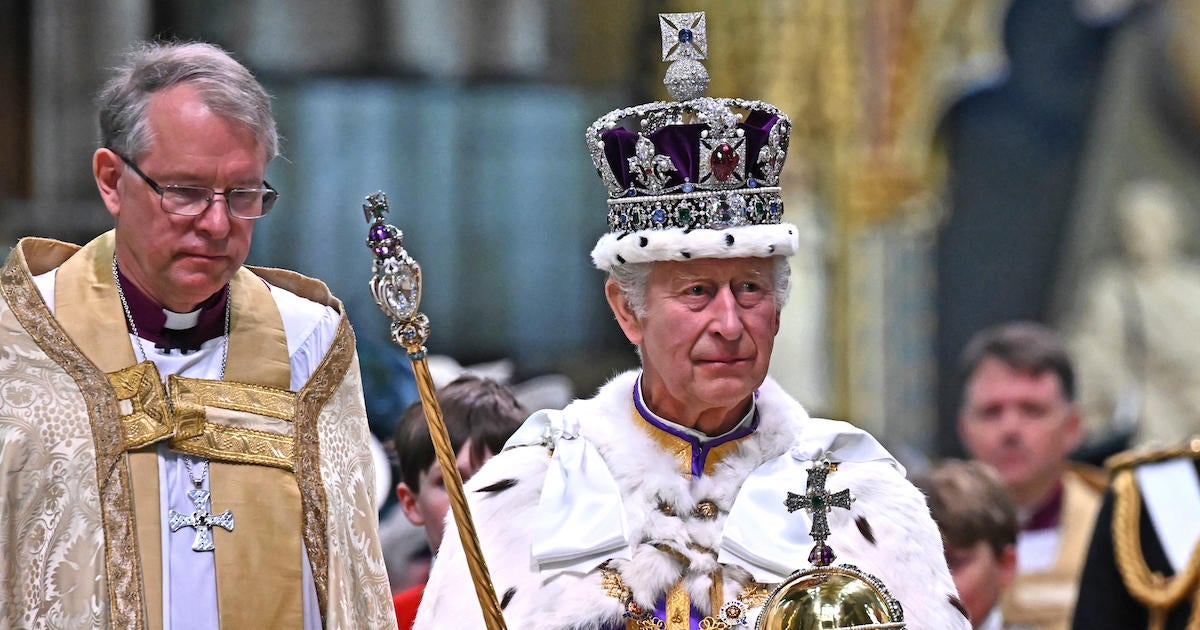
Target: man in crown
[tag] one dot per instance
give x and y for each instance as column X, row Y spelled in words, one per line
column 676, row 496
column 237, row 494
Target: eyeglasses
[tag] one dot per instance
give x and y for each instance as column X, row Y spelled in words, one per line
column 191, row 201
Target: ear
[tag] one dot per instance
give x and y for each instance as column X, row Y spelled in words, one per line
column 625, row 316
column 1007, row 565
column 960, row 427
column 1074, row 428
column 107, row 168
column 408, row 503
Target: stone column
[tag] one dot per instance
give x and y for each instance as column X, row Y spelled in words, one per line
column 74, row 43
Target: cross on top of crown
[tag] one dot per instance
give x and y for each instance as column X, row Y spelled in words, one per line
column 819, row 502
column 684, row 36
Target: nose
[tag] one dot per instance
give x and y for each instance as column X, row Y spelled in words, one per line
column 1010, row 421
column 726, row 314
column 215, row 221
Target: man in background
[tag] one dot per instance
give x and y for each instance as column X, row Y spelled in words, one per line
column 1019, row 416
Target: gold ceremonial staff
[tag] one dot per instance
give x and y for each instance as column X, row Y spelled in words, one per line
column 396, row 285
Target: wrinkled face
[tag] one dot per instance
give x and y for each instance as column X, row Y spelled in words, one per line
column 176, row 260
column 981, row 576
column 706, row 337
column 429, row 505
column 1021, row 424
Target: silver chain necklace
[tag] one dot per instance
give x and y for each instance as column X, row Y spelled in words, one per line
column 201, row 520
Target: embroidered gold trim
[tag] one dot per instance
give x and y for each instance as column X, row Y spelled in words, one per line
column 716, row 593
column 755, row 594
column 123, row 568
column 678, row 604
column 309, row 401
column 246, row 397
column 238, row 445
column 197, row 435
column 180, row 412
column 148, row 419
column 1136, row 457
column 1160, row 594
column 678, row 608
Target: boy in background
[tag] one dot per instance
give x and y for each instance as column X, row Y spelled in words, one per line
column 978, row 522
column 480, row 415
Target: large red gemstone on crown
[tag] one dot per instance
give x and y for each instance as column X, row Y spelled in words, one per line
column 723, row 161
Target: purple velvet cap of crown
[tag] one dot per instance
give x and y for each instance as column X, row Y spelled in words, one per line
column 681, row 143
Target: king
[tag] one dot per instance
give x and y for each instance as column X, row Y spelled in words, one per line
column 663, row 500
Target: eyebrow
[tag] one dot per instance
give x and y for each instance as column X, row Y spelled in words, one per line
column 688, row 277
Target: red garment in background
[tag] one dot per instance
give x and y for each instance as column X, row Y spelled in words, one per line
column 406, row 603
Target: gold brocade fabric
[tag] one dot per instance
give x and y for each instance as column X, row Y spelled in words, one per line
column 68, row 550
column 70, row 554
column 224, row 421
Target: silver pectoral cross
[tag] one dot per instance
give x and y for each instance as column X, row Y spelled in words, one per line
column 201, row 520
column 819, row 502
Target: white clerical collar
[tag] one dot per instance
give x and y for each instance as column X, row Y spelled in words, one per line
column 699, row 436
column 181, row 321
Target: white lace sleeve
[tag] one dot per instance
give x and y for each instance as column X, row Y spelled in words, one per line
column 310, row 329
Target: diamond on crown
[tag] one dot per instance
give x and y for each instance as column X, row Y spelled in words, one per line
column 721, row 123
column 719, row 155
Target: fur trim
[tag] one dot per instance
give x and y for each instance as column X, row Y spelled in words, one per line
column 746, row 241
column 906, row 553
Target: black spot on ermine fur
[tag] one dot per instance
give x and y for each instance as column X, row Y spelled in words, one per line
column 958, row 605
column 864, row 528
column 499, row 486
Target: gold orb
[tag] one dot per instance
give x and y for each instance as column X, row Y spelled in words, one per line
column 829, row 598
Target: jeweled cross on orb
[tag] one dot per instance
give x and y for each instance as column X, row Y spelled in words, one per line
column 200, row 520
column 819, row 502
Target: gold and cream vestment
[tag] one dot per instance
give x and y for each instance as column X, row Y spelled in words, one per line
column 82, row 423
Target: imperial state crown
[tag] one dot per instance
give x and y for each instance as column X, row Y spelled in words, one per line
column 697, row 177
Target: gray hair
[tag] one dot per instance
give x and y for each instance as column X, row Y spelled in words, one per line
column 633, row 280
column 225, row 86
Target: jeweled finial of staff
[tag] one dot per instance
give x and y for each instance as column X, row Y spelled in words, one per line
column 396, row 278
column 396, row 285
